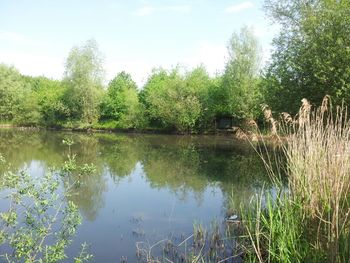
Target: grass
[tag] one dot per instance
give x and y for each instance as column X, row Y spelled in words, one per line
column 110, row 124
column 310, row 221
column 5, row 123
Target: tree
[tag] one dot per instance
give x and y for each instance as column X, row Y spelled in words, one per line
column 83, row 77
column 240, row 90
column 121, row 102
column 312, row 54
column 204, row 88
column 49, row 98
column 11, row 87
column 156, row 79
column 17, row 101
column 28, row 109
column 170, row 102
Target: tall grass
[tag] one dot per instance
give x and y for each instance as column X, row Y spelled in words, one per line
column 310, row 221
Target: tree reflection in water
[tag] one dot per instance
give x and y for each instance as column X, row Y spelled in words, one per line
column 181, row 164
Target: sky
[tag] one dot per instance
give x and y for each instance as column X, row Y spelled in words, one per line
column 135, row 35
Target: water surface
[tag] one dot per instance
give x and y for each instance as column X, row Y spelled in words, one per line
column 146, row 187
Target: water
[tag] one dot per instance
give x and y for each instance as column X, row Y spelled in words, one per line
column 146, row 187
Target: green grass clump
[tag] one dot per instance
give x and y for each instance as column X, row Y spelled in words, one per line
column 106, row 125
column 277, row 231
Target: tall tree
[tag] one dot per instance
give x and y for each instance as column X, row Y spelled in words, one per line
column 83, row 76
column 201, row 85
column 240, row 90
column 170, row 101
column 50, row 94
column 312, row 54
column 11, row 90
column 18, row 103
column 121, row 102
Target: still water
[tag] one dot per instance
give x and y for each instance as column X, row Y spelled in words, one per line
column 146, row 187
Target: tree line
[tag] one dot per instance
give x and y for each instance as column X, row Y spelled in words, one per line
column 311, row 58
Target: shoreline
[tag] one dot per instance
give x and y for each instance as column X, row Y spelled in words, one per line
column 114, row 130
column 237, row 134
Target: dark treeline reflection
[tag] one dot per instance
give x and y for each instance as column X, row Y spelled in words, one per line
column 181, row 164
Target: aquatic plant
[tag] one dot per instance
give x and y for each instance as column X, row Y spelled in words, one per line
column 310, row 221
column 213, row 244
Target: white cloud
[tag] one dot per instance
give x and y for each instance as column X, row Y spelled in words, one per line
column 213, row 57
column 177, row 8
column 17, row 38
column 149, row 10
column 139, row 73
column 30, row 56
column 144, row 11
column 238, row 7
column 34, row 64
column 10, row 36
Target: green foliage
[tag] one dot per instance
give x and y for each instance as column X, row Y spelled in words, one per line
column 10, row 90
column 240, row 94
column 312, row 54
column 203, row 87
column 50, row 100
column 105, row 125
column 121, row 102
column 276, row 231
column 39, row 223
column 29, row 100
column 28, row 110
column 175, row 100
column 17, row 103
column 171, row 102
column 83, row 78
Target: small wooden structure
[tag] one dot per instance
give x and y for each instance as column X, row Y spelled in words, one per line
column 224, row 122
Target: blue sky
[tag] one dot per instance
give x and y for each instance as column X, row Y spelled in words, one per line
column 37, row 35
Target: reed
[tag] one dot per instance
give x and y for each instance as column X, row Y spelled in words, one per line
column 308, row 221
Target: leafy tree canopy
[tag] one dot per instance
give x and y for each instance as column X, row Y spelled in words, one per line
column 83, row 77
column 312, row 53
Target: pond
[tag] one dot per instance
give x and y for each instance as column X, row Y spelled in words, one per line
column 146, row 187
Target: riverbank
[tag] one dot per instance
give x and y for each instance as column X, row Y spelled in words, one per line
column 235, row 133
column 109, row 130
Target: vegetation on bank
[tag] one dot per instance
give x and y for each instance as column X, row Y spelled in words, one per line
column 309, row 220
column 304, row 218
column 311, row 58
column 171, row 100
